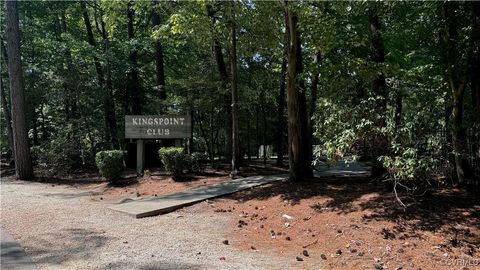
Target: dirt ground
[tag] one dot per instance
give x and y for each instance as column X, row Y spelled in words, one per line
column 353, row 223
column 155, row 182
column 325, row 223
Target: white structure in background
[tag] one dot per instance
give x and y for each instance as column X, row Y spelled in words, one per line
column 265, row 151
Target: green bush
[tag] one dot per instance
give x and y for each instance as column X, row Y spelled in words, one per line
column 197, row 162
column 58, row 156
column 110, row 163
column 174, row 160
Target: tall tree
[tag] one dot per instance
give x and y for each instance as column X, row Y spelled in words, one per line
column 133, row 82
column 475, row 59
column 299, row 140
column 159, row 63
column 314, row 95
column 108, row 103
column 8, row 117
column 6, row 109
column 379, row 85
column 222, row 71
column 233, row 68
column 23, row 162
column 457, row 75
column 281, row 100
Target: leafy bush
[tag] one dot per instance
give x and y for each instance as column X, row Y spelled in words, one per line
column 58, row 156
column 197, row 162
column 110, row 163
column 419, row 166
column 174, row 160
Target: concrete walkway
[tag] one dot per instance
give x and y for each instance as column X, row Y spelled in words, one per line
column 169, row 203
column 13, row 256
column 341, row 168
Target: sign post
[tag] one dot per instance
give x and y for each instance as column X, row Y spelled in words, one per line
column 142, row 127
column 140, row 156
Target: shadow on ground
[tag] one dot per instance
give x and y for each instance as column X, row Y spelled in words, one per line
column 452, row 211
column 157, row 266
column 76, row 244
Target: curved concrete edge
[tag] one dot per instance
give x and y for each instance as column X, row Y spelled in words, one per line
column 171, row 202
column 12, row 255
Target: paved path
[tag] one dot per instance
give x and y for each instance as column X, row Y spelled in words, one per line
column 13, row 256
column 341, row 168
column 161, row 205
column 169, row 203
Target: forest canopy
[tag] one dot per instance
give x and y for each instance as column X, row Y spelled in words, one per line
column 396, row 83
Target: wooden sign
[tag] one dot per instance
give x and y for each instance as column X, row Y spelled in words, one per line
column 158, row 126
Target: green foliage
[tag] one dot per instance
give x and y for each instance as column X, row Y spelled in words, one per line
column 174, row 160
column 59, row 156
column 198, row 161
column 66, row 101
column 110, row 164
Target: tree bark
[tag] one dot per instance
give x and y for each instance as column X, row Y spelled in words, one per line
column 379, row 88
column 222, row 71
column 23, row 162
column 70, row 99
column 133, row 83
column 281, row 103
column 313, row 98
column 298, row 134
column 233, row 68
column 159, row 64
column 457, row 78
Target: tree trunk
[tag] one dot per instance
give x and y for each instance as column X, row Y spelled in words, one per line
column 8, row 116
column 249, row 155
column 23, row 162
column 159, row 67
column 298, row 135
column 6, row 109
column 264, row 126
column 313, row 99
column 222, row 71
column 281, row 104
column 233, row 65
column 257, row 134
column 133, row 83
column 106, row 87
column 379, row 88
column 458, row 133
column 398, row 110
column 475, row 61
column 457, row 79
column 70, row 99
column 109, row 100
column 44, row 127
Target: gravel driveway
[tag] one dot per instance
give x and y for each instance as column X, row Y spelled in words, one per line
column 61, row 228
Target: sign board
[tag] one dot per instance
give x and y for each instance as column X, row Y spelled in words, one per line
column 158, row 126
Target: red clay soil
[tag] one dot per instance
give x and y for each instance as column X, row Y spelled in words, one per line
column 156, row 182
column 356, row 224
column 335, row 223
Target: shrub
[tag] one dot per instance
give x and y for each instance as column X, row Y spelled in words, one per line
column 58, row 156
column 174, row 160
column 197, row 162
column 110, row 163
